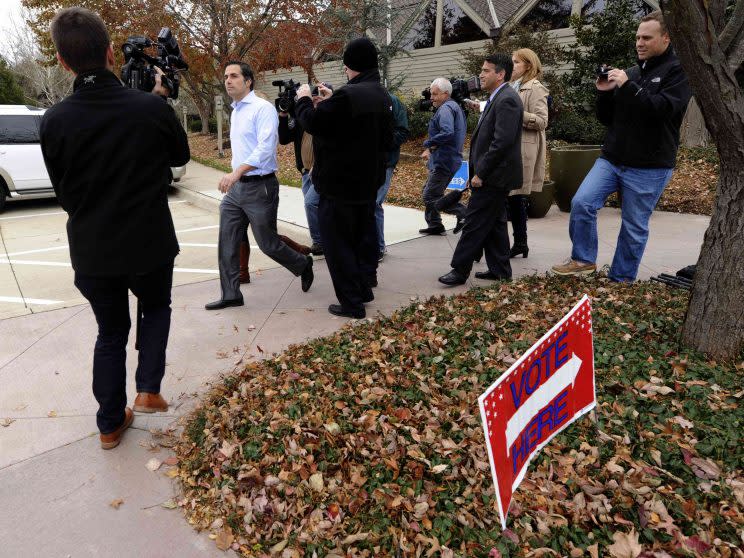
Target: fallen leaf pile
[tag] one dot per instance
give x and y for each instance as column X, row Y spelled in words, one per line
column 369, row 442
column 691, row 190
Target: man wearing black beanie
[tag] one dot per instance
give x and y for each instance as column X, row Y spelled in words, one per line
column 352, row 130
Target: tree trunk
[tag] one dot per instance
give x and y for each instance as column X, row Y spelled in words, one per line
column 715, row 317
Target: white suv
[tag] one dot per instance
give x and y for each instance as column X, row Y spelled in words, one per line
column 22, row 170
column 23, row 174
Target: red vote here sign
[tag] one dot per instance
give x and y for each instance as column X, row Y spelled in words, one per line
column 547, row 389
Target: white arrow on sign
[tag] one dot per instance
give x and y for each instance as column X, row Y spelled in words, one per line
column 559, row 381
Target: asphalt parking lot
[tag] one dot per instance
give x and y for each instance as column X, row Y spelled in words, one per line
column 35, row 271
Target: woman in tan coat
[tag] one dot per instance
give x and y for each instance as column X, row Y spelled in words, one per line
column 534, row 95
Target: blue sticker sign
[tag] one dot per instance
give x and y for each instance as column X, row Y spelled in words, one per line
column 460, row 180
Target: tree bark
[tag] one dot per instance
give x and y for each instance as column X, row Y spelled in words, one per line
column 714, row 322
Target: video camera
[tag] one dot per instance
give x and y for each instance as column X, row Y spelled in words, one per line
column 285, row 102
column 461, row 90
column 138, row 71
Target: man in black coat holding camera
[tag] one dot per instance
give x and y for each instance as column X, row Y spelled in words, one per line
column 495, row 169
column 108, row 150
column 352, row 129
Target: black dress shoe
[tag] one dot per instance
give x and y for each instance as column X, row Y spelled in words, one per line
column 220, row 304
column 454, row 277
column 338, row 310
column 437, row 229
column 460, row 224
column 490, row 276
column 307, row 275
column 519, row 248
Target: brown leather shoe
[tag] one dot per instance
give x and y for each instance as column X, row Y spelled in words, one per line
column 112, row 439
column 150, row 403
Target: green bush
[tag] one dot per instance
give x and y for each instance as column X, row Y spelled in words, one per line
column 577, row 126
column 195, row 125
column 418, row 120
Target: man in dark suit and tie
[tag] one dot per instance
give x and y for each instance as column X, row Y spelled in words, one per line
column 495, row 169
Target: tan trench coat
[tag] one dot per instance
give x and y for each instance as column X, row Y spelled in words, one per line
column 534, row 97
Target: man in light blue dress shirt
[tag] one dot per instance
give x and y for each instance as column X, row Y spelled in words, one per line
column 251, row 189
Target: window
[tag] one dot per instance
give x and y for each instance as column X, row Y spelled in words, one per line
column 457, row 27
column 549, row 14
column 19, row 129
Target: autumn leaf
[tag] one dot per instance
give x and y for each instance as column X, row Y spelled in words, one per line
column 116, row 503
column 625, row 545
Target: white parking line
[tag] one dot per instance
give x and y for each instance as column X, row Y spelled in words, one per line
column 199, row 229
column 34, row 262
column 62, row 213
column 67, row 264
column 37, row 251
column 32, row 215
column 29, row 300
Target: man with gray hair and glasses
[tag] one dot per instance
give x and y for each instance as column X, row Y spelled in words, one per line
column 443, row 155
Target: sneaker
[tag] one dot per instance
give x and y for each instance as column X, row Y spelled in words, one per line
column 572, row 267
column 316, row 249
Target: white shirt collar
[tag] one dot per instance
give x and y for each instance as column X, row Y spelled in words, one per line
column 247, row 99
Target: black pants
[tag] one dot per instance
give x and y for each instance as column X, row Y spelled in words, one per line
column 518, row 217
column 485, row 228
column 109, row 298
column 349, row 235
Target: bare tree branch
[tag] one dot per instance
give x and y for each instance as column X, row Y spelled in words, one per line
column 732, row 33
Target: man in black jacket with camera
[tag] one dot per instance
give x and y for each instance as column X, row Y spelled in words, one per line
column 352, row 129
column 643, row 108
column 108, row 150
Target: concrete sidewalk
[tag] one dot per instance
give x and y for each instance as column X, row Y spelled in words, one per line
column 56, row 484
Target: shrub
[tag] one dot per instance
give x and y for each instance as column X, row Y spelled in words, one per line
column 577, row 126
column 195, row 125
column 418, row 120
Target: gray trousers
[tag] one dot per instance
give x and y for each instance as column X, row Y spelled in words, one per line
column 255, row 204
column 433, row 196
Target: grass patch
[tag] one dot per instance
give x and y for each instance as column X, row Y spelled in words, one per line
column 329, row 448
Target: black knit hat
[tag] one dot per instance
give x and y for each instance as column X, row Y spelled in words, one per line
column 360, row 55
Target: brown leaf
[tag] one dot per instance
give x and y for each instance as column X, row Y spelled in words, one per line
column 224, row 539
column 625, row 545
column 704, row 468
column 116, row 503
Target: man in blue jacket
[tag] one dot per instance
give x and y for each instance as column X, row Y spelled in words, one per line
column 443, row 154
column 643, row 108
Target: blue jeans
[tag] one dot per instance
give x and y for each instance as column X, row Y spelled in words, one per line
column 382, row 192
column 640, row 189
column 311, row 207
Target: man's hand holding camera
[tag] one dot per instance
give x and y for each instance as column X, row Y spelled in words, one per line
column 159, row 88
column 609, row 78
column 323, row 92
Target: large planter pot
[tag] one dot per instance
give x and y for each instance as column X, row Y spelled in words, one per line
column 540, row 202
column 568, row 167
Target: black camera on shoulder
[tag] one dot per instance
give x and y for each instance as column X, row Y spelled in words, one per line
column 285, row 101
column 138, row 71
column 461, row 90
